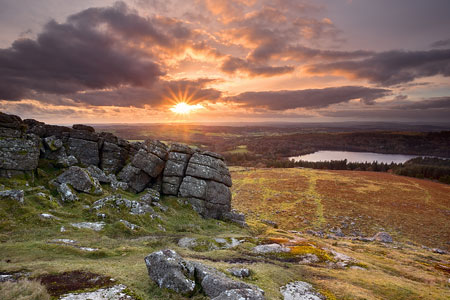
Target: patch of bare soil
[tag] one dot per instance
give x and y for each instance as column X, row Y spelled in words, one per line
column 62, row 283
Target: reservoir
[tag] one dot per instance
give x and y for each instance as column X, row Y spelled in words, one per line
column 358, row 157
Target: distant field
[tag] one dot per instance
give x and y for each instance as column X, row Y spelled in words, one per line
column 356, row 202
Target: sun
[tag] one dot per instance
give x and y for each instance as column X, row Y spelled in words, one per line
column 182, row 108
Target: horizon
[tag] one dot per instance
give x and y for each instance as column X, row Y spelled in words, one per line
column 203, row 61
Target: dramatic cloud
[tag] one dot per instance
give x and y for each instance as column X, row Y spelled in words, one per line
column 237, row 58
column 441, row 43
column 162, row 92
column 84, row 53
column 310, row 98
column 234, row 64
column 390, row 68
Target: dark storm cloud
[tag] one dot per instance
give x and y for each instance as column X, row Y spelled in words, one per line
column 441, row 43
column 432, row 103
column 93, row 49
column 232, row 65
column 162, row 92
column 310, row 98
column 391, row 67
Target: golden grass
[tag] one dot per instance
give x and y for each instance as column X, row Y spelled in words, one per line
column 23, row 290
column 299, row 199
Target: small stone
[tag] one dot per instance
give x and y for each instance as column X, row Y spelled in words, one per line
column 129, row 225
column 383, row 237
column 300, row 290
column 270, row 248
column 17, row 195
column 96, row 226
column 240, row 272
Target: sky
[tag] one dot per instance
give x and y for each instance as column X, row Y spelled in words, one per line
column 155, row 61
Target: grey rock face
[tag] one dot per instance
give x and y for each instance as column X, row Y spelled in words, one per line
column 240, row 294
column 209, row 198
column 148, row 162
column 240, row 272
column 150, row 196
column 53, row 143
column 20, row 154
column 300, row 290
column 83, row 127
column 136, row 179
column 66, row 193
column 113, row 157
column 85, row 151
column 129, row 225
column 270, row 248
column 96, row 226
column 171, row 271
column 98, row 174
column 171, row 185
column 80, row 180
column 383, row 237
column 236, row 217
column 180, row 148
column 192, row 187
column 157, row 148
column 116, row 292
column 17, row 195
column 208, row 167
column 214, row 283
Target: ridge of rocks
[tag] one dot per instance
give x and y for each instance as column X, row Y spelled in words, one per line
column 91, row 158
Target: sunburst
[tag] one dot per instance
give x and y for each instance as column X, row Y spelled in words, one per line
column 184, row 101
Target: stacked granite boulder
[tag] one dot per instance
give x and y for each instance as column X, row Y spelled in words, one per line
column 201, row 177
column 19, row 150
column 206, row 184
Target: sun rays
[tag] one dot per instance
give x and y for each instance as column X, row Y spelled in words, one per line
column 184, row 101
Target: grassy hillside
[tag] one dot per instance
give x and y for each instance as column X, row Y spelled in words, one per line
column 374, row 271
column 356, row 202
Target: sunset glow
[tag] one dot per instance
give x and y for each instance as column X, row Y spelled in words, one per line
column 184, row 108
column 226, row 61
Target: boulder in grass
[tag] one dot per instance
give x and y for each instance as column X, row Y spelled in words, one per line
column 80, row 180
column 383, row 237
column 240, row 294
column 17, row 195
column 171, row 271
column 300, row 290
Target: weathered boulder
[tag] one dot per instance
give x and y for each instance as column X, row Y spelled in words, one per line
column 208, row 166
column 214, row 283
column 383, row 237
column 98, row 174
column 83, row 127
column 209, row 198
column 175, row 169
column 85, row 151
column 136, row 179
column 17, row 195
column 18, row 151
column 148, row 162
column 300, row 290
column 10, row 121
column 66, row 193
column 240, row 294
column 80, row 180
column 113, row 157
column 270, row 248
column 171, row 271
column 53, row 143
column 171, row 185
column 239, row 272
column 157, row 148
